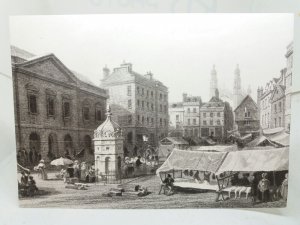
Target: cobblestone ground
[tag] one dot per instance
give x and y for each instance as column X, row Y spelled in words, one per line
column 54, row 194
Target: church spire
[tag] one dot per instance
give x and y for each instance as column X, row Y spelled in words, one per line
column 213, row 81
column 237, row 87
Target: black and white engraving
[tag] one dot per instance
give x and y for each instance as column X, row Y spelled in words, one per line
column 165, row 111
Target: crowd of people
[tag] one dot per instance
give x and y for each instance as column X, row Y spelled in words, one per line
column 262, row 189
column 82, row 172
column 28, row 158
column 27, row 185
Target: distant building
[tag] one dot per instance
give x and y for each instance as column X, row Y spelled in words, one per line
column 278, row 106
column 247, row 117
column 274, row 101
column 139, row 104
column 264, row 103
column 185, row 117
column 216, row 118
column 176, row 118
column 288, row 85
column 56, row 109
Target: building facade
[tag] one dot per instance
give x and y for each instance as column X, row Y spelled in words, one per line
column 216, row 118
column 55, row 111
column 247, row 117
column 264, row 103
column 176, row 118
column 139, row 104
column 288, row 85
column 278, row 107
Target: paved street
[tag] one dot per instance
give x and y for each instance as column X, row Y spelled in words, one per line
column 54, row 194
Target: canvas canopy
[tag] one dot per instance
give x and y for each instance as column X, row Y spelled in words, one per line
column 215, row 148
column 282, row 139
column 260, row 141
column 255, row 160
column 193, row 160
column 275, row 159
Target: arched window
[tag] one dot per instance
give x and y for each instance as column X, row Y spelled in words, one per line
column 52, row 146
column 68, row 146
column 88, row 144
column 34, row 148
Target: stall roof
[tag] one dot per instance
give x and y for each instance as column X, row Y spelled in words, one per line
column 216, row 148
column 282, row 139
column 276, row 159
column 175, row 140
column 193, row 160
column 272, row 131
column 261, row 140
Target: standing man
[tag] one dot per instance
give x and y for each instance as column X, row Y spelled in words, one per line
column 264, row 187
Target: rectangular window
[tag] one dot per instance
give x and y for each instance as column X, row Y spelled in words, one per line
column 32, row 104
column 143, row 105
column 152, row 121
column 189, row 122
column 194, row 110
column 211, row 122
column 147, row 120
column 165, row 122
column 160, row 108
column 138, row 103
column 160, row 96
column 151, row 94
column 204, row 115
column 218, row 114
column 211, row 114
column 142, row 91
column 165, row 109
column 177, row 118
column 138, row 90
column 148, row 106
column 143, row 120
column 218, row 122
column 129, row 90
column 194, row 121
column 86, row 113
column 138, row 118
column 66, row 109
column 129, row 104
column 204, row 122
column 50, row 106
column 188, row 110
column 160, row 122
column 152, row 107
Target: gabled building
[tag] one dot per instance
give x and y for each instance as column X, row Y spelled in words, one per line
column 139, row 104
column 216, row 118
column 247, row 117
column 56, row 112
column 278, row 106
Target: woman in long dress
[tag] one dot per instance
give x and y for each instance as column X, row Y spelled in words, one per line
column 41, row 167
column 284, row 188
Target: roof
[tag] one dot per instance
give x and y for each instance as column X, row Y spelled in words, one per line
column 21, row 53
column 248, row 97
column 272, row 131
column 109, row 128
column 214, row 102
column 216, row 148
column 282, row 139
column 260, row 141
column 276, row 159
column 193, row 160
column 176, row 140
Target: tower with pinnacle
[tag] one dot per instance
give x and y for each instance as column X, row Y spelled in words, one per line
column 237, row 87
column 213, row 82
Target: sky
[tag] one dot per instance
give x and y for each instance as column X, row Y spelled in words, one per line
column 179, row 49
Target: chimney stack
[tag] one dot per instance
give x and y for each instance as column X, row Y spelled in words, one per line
column 184, row 96
column 149, row 75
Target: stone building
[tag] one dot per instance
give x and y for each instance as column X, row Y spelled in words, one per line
column 264, row 103
column 56, row 112
column 288, row 85
column 191, row 119
column 176, row 118
column 278, row 107
column 216, row 118
column 185, row 116
column 139, row 105
column 247, row 117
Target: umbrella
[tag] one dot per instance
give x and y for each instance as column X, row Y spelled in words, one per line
column 61, row 162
